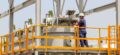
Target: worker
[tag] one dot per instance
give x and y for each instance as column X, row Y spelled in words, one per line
column 82, row 30
column 28, row 24
column 48, row 19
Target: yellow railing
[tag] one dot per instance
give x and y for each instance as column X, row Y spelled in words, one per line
column 22, row 36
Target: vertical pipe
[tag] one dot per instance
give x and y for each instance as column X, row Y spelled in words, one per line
column 38, row 21
column 38, row 18
column 58, row 6
column 81, row 6
column 109, row 32
column 77, row 5
column 117, row 21
column 58, row 9
column 54, row 8
column 11, row 15
column 63, row 3
column 11, row 21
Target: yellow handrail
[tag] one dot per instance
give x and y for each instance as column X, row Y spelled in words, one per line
column 46, row 37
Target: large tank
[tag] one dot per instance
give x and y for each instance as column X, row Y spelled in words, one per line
column 60, row 31
column 57, row 32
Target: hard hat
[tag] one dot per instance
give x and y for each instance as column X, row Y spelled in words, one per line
column 81, row 14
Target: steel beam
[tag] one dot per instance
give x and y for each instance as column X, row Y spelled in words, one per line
column 101, row 8
column 30, row 2
column 18, row 7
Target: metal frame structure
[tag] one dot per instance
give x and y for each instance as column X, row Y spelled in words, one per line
column 30, row 2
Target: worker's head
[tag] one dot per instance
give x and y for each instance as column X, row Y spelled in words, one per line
column 81, row 15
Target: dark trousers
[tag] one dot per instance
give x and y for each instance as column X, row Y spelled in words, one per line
column 83, row 42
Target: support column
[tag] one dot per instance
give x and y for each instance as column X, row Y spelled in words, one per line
column 118, row 23
column 11, row 16
column 38, row 21
column 58, row 9
column 11, row 21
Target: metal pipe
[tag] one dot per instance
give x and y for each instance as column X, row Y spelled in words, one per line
column 58, row 9
column 11, row 17
column 11, row 22
column 54, row 9
column 38, row 17
column 77, row 5
column 58, row 6
column 117, row 22
column 63, row 3
column 85, row 5
column 38, row 21
column 81, row 6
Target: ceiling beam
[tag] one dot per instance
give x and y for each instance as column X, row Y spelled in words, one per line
column 18, row 7
column 30, row 2
column 101, row 8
